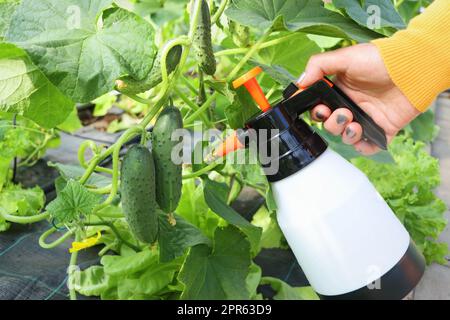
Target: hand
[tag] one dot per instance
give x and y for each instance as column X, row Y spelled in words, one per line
column 362, row 75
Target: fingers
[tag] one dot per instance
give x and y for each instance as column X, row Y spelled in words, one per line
column 323, row 64
column 352, row 133
column 366, row 148
column 320, row 113
column 338, row 121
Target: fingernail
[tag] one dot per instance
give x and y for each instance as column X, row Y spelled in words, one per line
column 350, row 133
column 319, row 115
column 341, row 119
column 302, row 77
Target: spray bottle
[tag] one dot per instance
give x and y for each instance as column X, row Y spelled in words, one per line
column 345, row 237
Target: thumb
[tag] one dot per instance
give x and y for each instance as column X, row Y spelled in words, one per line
column 323, row 64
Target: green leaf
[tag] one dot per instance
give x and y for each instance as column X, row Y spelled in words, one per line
column 362, row 14
column 80, row 50
column 7, row 8
column 423, row 128
column 271, row 237
column 25, row 90
column 407, row 186
column 218, row 273
column 157, row 277
column 103, row 104
column 72, row 122
column 220, row 207
column 253, row 279
column 193, row 208
column 297, row 15
column 73, row 202
column 286, row 292
column 15, row 200
column 74, row 172
column 175, row 239
column 90, row 282
column 292, row 55
column 119, row 266
column 275, row 72
column 241, row 109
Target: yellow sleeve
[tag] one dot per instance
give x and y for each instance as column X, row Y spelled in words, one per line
column 418, row 58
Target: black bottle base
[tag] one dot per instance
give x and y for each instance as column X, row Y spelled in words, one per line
column 395, row 284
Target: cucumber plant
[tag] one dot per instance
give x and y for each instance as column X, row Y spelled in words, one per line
column 163, row 222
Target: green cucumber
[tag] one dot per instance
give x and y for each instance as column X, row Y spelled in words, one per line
column 168, row 174
column 138, row 193
column 132, row 86
column 202, row 41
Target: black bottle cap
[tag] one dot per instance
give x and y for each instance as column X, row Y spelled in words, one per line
column 298, row 144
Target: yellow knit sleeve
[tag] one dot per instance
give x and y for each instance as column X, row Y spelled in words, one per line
column 418, row 58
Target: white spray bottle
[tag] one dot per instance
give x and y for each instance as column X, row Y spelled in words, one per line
column 345, row 237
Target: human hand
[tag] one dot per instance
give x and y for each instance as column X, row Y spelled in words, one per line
column 362, row 75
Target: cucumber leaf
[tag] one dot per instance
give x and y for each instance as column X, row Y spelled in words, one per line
column 219, row 272
column 74, row 172
column 175, row 238
column 308, row 16
column 292, row 55
column 81, row 51
column 364, row 13
column 25, row 90
column 218, row 204
column 72, row 202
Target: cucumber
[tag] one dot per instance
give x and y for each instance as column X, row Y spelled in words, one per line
column 168, row 174
column 202, row 41
column 132, row 86
column 138, row 193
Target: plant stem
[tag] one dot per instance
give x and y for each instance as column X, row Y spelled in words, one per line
column 116, row 232
column 219, row 12
column 191, row 104
column 115, row 160
column 82, row 151
column 189, row 85
column 230, row 77
column 72, row 264
column 202, row 171
column 160, row 100
column 136, row 98
column 55, row 243
column 24, row 220
column 104, row 190
column 264, row 45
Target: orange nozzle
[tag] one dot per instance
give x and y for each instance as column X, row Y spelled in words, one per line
column 250, row 83
column 230, row 144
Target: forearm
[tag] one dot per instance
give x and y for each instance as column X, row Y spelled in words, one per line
column 418, row 58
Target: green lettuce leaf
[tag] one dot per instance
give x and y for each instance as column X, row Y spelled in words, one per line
column 407, row 186
column 15, row 200
column 286, row 292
